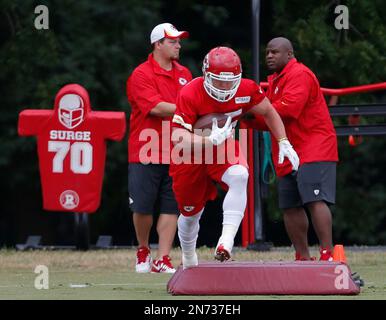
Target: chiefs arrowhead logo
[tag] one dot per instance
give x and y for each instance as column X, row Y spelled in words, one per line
column 182, row 81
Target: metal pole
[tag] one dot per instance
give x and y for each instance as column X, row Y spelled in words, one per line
column 257, row 145
column 82, row 232
column 255, row 39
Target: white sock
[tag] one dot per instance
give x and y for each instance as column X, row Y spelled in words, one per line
column 227, row 236
column 188, row 228
column 235, row 201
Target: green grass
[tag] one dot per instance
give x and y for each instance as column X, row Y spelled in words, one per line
column 109, row 274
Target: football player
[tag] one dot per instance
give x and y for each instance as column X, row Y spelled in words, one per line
column 221, row 89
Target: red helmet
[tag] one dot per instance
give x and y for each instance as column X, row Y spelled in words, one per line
column 223, row 65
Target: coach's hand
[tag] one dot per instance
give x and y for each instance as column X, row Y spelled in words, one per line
column 219, row 135
column 286, row 150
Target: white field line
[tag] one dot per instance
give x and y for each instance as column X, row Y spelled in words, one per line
column 85, row 285
column 132, row 284
column 13, row 286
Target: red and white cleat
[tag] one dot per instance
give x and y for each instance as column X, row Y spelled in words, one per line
column 222, row 254
column 325, row 255
column 143, row 260
column 163, row 265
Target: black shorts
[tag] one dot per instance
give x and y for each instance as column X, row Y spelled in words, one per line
column 150, row 188
column 313, row 182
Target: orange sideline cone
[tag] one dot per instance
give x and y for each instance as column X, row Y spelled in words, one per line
column 338, row 254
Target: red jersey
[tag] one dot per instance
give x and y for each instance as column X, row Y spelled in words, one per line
column 295, row 94
column 72, row 151
column 193, row 102
column 148, row 85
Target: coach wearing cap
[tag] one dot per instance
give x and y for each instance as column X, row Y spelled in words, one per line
column 152, row 90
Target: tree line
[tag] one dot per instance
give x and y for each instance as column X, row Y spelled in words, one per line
column 98, row 43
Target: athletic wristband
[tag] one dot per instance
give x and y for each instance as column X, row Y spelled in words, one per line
column 282, row 139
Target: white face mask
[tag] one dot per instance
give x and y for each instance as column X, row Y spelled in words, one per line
column 222, row 95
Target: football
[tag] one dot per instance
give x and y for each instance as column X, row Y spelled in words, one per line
column 205, row 122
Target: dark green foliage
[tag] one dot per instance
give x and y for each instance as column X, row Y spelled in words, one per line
column 94, row 43
column 97, row 43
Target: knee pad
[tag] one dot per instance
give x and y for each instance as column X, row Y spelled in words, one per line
column 236, row 175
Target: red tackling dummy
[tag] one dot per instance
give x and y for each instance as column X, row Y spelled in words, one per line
column 72, row 148
column 265, row 278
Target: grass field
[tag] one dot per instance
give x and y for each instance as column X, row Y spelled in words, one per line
column 109, row 274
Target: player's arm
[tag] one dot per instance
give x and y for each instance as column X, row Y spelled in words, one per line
column 271, row 118
column 163, row 109
column 186, row 138
column 254, row 121
column 276, row 126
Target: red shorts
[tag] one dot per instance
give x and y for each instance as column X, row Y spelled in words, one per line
column 194, row 184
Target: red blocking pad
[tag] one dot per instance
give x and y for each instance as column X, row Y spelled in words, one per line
column 264, row 278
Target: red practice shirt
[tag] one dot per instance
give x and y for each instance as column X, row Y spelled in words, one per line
column 295, row 94
column 193, row 102
column 72, row 161
column 148, row 85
